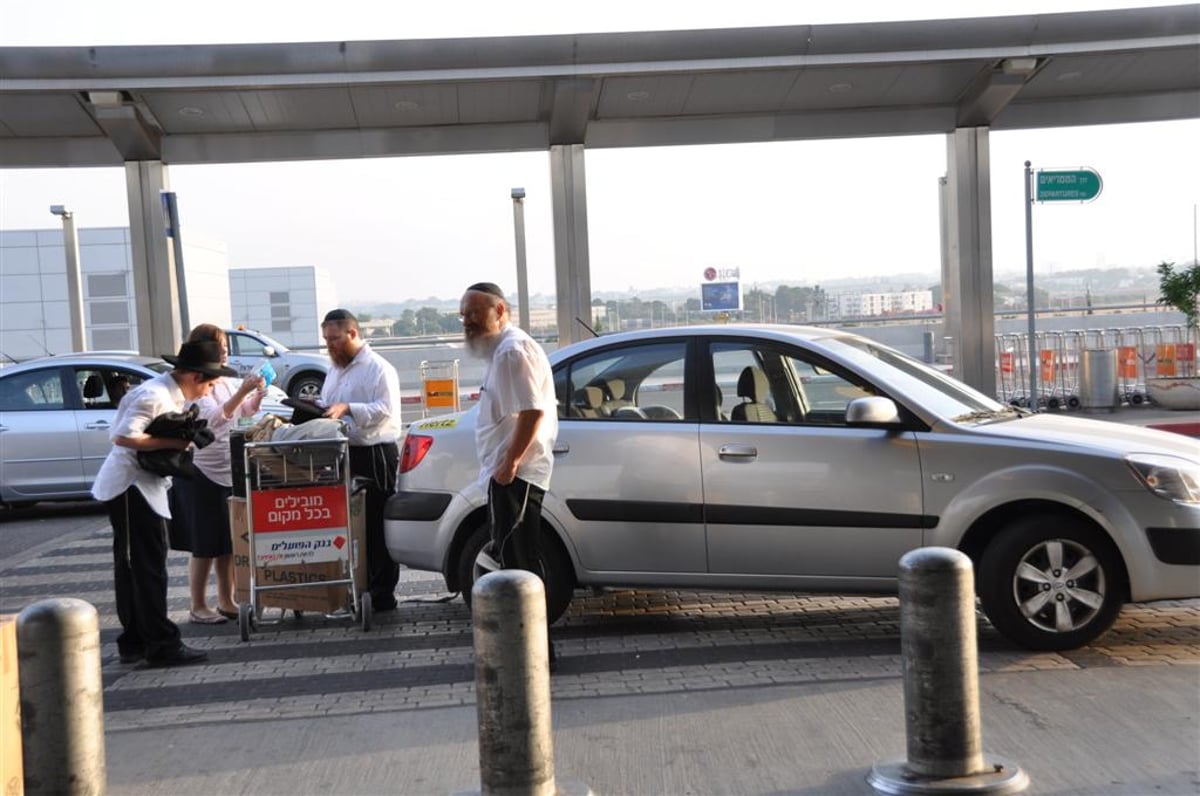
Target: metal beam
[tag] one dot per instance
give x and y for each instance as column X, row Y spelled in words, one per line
column 568, row 189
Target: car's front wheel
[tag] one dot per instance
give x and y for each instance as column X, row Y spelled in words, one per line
column 306, row 386
column 1051, row 582
column 559, row 580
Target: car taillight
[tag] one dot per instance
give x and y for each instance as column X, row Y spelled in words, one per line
column 414, row 450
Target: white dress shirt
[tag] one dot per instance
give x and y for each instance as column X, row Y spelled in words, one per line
column 371, row 386
column 120, row 470
column 518, row 377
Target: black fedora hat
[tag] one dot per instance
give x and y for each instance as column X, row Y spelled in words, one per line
column 202, row 357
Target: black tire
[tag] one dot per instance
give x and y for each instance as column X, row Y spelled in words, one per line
column 365, row 611
column 306, row 385
column 244, row 621
column 1067, row 576
column 560, row 576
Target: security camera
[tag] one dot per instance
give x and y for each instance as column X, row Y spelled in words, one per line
column 518, row 193
column 60, row 210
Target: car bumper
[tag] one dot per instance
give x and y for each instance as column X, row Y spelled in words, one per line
column 412, row 525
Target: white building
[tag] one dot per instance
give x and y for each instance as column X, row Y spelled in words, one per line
column 34, row 308
column 286, row 303
column 857, row 305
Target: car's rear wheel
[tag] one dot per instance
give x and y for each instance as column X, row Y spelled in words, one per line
column 306, row 386
column 1051, row 582
column 556, row 564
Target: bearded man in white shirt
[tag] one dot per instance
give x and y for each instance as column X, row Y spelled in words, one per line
column 363, row 389
column 136, row 500
column 514, row 435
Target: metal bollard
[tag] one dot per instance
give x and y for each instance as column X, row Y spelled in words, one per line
column 941, row 685
column 512, row 687
column 62, row 698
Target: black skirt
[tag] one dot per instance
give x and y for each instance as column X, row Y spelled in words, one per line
column 200, row 517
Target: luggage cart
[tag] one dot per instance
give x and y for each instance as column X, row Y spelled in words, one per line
column 298, row 513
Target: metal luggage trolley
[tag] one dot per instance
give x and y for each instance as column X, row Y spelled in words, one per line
column 298, row 512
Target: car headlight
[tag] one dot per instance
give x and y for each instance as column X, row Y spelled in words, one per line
column 1168, row 477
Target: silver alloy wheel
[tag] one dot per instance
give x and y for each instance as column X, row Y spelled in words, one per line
column 1059, row 585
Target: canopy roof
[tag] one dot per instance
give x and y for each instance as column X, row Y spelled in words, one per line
column 91, row 106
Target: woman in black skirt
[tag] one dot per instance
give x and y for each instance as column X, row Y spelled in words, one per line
column 199, row 507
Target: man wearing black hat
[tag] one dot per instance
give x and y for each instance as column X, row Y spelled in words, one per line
column 363, row 389
column 136, row 500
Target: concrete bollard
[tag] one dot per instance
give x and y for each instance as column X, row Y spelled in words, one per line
column 512, row 687
column 62, row 698
column 941, row 685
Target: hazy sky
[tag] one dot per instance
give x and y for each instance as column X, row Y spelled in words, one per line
column 398, row 228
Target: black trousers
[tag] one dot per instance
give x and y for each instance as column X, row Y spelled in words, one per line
column 378, row 467
column 515, row 515
column 140, row 576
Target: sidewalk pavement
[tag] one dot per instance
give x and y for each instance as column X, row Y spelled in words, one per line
column 1083, row 731
column 1079, row 729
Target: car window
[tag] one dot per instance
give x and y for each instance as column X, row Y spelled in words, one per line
column 639, row 382
column 32, row 391
column 243, row 345
column 104, row 387
column 759, row 383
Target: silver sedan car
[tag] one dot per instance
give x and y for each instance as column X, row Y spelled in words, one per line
column 806, row 459
column 56, row 414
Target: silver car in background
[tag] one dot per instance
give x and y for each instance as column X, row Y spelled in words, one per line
column 56, row 415
column 804, row 459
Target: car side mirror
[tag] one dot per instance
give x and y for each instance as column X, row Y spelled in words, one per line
column 872, row 411
column 269, row 351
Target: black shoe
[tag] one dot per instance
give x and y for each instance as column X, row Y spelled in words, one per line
column 131, row 656
column 180, row 656
column 380, row 605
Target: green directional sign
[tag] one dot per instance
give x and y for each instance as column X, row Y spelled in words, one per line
column 1080, row 185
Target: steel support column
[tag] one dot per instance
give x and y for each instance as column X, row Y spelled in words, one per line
column 568, row 189
column 155, row 285
column 967, row 253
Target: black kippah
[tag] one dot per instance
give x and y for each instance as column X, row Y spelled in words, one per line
column 487, row 287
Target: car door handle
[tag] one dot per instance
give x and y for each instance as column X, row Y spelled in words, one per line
column 737, row 452
column 561, row 447
column 99, row 424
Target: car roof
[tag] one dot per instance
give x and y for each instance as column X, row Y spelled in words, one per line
column 773, row 331
column 97, row 358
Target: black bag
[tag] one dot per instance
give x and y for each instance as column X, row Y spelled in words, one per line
column 303, row 411
column 168, row 463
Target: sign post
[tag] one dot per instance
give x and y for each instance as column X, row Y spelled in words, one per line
column 1057, row 185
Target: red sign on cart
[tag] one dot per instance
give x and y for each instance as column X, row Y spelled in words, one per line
column 299, row 525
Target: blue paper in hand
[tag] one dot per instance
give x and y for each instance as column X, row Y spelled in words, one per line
column 267, row 372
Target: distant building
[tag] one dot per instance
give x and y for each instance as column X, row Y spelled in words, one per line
column 286, row 303
column 35, row 315
column 858, row 305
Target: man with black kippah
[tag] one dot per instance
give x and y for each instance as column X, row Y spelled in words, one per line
column 363, row 389
column 514, row 435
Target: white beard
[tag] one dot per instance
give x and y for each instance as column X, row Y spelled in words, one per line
column 482, row 347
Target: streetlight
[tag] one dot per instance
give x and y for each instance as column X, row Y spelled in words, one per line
column 74, row 282
column 518, row 200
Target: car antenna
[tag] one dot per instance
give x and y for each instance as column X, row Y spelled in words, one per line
column 41, row 345
column 585, row 326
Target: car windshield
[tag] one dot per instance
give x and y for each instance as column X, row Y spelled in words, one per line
column 279, row 347
column 158, row 366
column 927, row 387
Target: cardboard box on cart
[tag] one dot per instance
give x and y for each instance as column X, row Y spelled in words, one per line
column 315, row 598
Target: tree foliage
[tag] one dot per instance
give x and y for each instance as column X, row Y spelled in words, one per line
column 1180, row 288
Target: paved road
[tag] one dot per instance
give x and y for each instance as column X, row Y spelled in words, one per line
column 658, row 692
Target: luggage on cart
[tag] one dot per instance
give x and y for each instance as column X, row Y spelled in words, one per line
column 299, row 533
